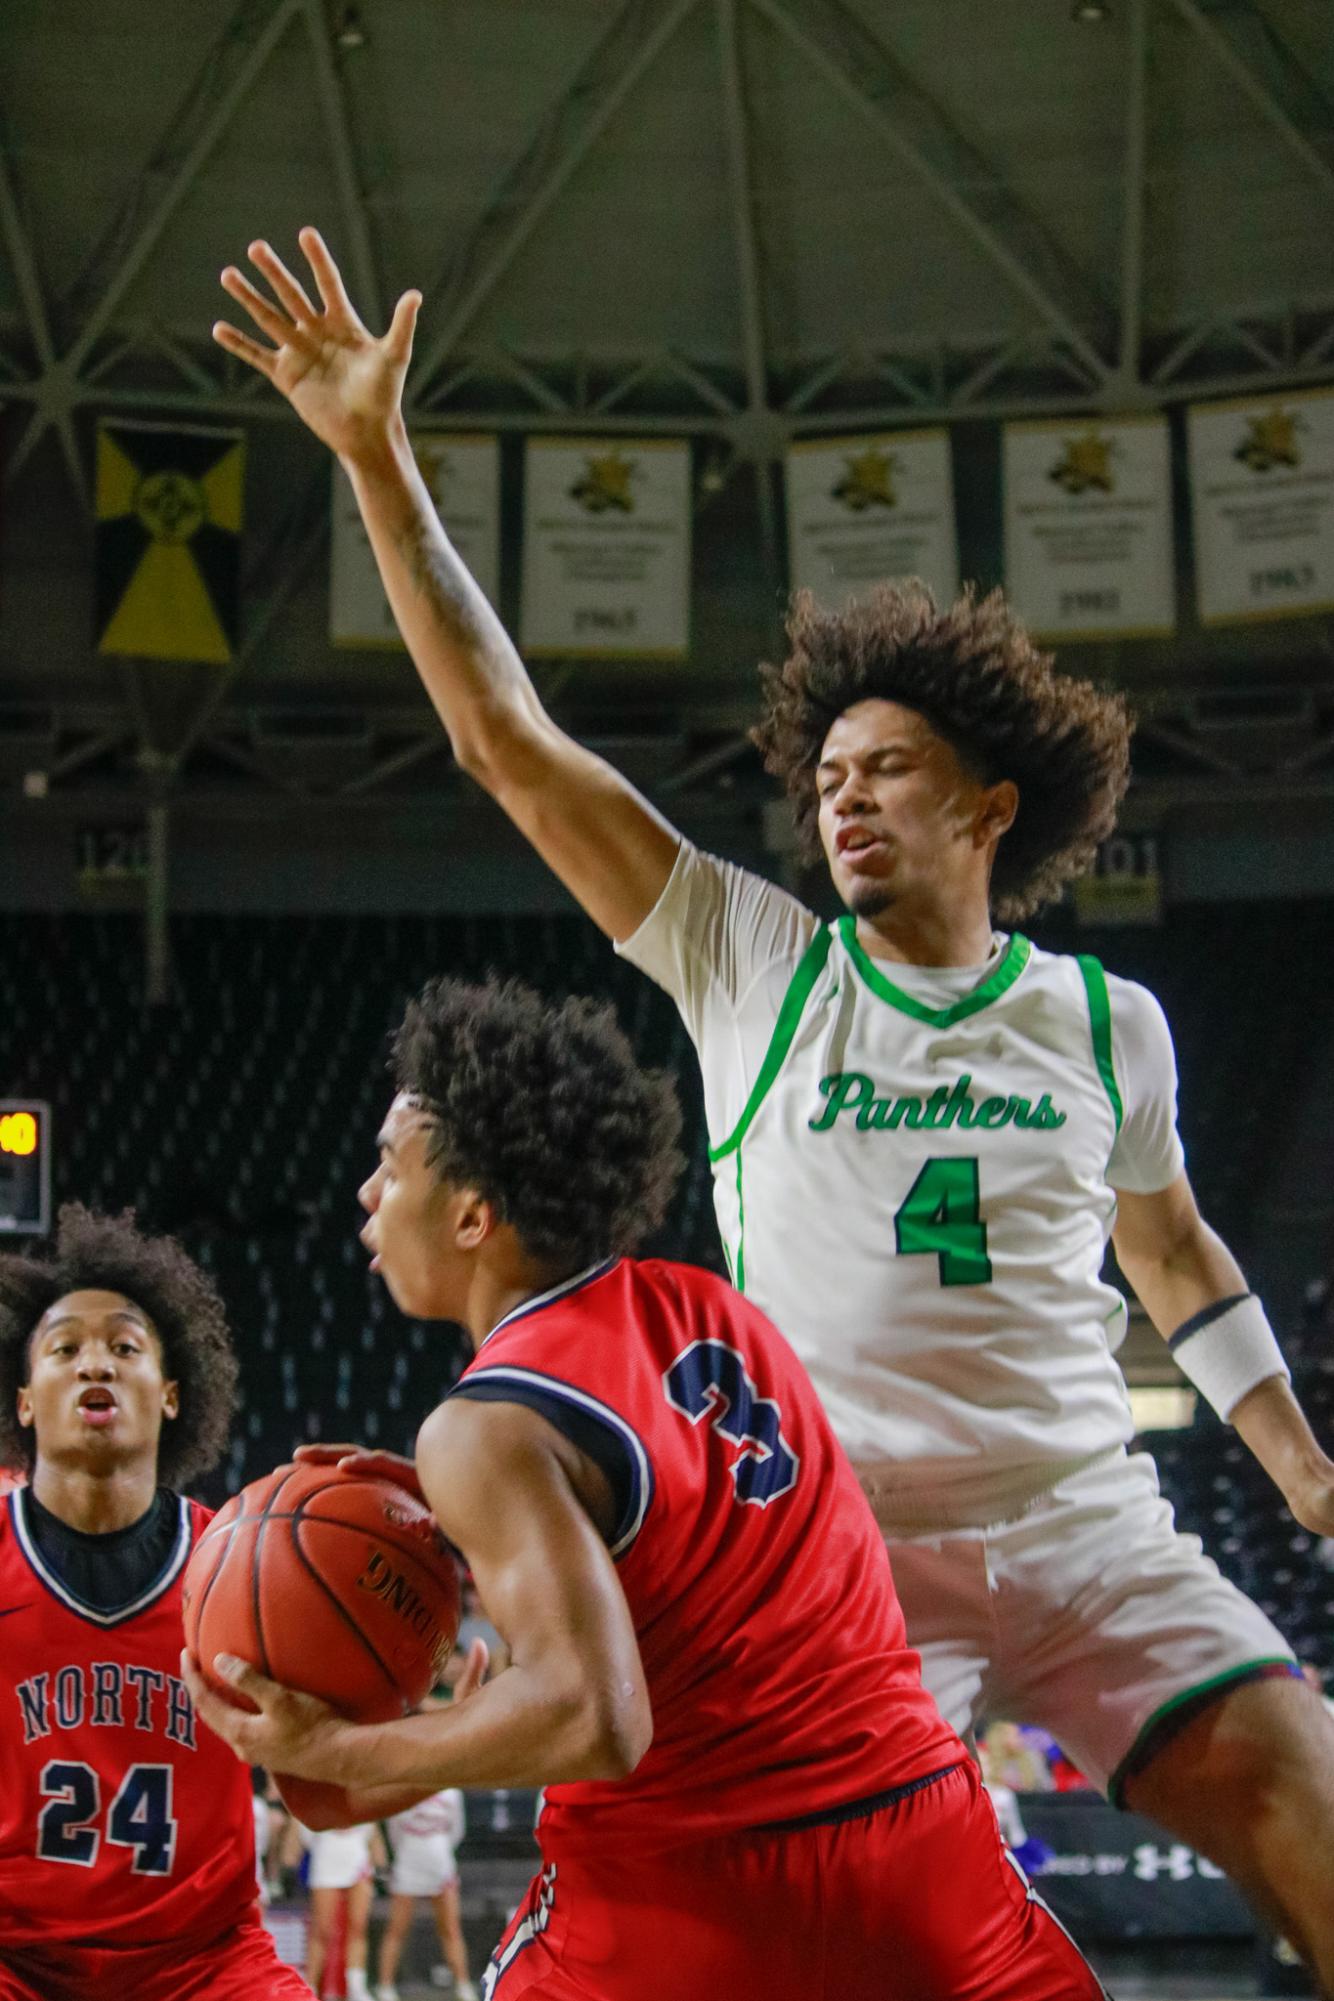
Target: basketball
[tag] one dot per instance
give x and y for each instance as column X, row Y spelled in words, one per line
column 332, row 1583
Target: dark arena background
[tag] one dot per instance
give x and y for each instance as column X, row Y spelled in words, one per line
column 817, row 292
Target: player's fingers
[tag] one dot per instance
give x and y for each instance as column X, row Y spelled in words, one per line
column 289, row 290
column 261, row 310
column 474, row 1674
column 220, row 1716
column 382, row 1466
column 328, row 278
column 264, row 359
column 325, row 1455
column 246, row 1679
column 398, row 340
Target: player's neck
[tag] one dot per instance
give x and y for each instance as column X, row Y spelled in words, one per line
column 928, row 936
column 499, row 1289
column 95, row 1503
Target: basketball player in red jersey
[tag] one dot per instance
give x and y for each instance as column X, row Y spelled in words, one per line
column 749, row 1789
column 127, row 1845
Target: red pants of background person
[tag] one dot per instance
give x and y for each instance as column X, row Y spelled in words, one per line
column 917, row 1900
column 242, row 1965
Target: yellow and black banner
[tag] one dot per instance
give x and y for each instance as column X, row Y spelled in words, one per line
column 169, row 509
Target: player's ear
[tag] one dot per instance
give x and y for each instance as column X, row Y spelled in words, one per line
column 474, row 1219
column 996, row 811
column 24, row 1402
column 171, row 1399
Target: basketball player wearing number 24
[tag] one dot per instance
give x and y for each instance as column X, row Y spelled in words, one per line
column 127, row 1837
column 930, row 1128
column 748, row 1790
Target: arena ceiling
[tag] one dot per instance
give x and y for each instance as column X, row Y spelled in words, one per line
column 737, row 220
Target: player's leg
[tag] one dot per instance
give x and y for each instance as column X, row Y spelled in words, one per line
column 355, row 1947
column 897, row 1926
column 1123, row 1640
column 1249, row 1782
column 323, row 1922
column 395, row 1931
column 450, row 1927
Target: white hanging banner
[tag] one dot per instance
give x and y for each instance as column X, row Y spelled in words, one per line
column 606, row 547
column 867, row 510
column 1262, row 500
column 462, row 475
column 1088, row 527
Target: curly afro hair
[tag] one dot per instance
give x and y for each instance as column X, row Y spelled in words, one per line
column 107, row 1254
column 542, row 1107
column 977, row 678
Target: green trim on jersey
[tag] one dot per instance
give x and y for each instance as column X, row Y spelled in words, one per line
column 1100, row 1023
column 739, row 1275
column 808, row 971
column 1007, row 972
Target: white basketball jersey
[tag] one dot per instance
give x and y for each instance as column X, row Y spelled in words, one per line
column 918, row 1195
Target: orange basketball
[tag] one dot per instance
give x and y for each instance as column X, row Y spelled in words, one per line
column 328, row 1582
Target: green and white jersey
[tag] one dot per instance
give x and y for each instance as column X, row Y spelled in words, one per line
column 914, row 1174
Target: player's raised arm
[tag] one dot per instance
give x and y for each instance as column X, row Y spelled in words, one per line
column 572, row 1705
column 609, row 847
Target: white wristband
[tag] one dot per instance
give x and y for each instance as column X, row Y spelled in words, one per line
column 1227, row 1350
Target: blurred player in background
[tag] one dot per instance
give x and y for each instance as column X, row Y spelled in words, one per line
column 924, row 1131
column 423, row 1841
column 342, row 1866
column 748, row 1789
column 127, row 1845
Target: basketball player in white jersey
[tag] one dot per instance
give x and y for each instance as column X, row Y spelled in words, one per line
column 924, row 1130
column 422, row 1841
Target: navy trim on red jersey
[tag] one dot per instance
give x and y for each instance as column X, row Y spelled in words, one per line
column 531, row 1387
column 561, row 1291
column 175, row 1564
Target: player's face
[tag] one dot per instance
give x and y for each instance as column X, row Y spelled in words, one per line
column 412, row 1225
column 96, row 1394
column 898, row 812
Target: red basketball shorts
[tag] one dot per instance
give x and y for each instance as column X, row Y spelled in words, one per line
column 916, row 1899
column 241, row 1965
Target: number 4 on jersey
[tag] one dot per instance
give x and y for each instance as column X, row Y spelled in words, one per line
column 939, row 1217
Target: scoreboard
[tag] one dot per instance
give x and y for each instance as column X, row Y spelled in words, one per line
column 25, row 1166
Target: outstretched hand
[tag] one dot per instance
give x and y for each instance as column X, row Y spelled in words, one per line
column 344, row 382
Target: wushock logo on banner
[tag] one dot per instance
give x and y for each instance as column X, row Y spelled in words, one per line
column 169, row 512
column 866, row 510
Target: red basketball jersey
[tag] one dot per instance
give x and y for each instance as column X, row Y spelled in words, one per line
column 123, row 1820
column 781, row 1681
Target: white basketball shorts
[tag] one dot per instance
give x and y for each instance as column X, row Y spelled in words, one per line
column 1090, row 1615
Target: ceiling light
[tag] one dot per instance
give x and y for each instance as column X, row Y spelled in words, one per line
column 1089, row 10
column 350, row 34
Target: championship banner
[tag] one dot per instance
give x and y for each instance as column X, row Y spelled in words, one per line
column 606, row 548
column 864, row 511
column 168, row 544
column 462, row 475
column 1125, row 884
column 1262, row 501
column 1088, row 527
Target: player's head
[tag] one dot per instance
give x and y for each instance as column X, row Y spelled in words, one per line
column 519, row 1114
column 924, row 748
column 114, row 1351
